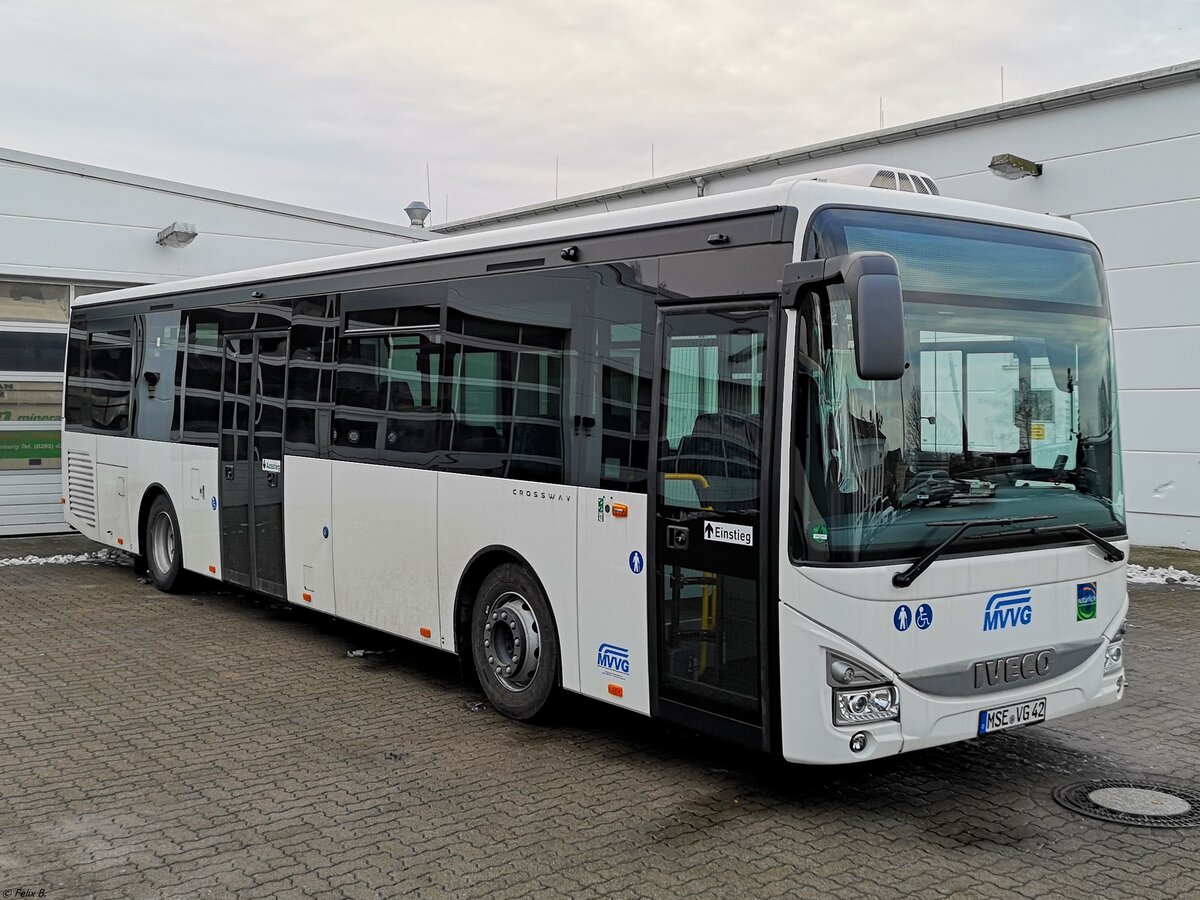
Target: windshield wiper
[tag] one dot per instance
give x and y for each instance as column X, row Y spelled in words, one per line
column 909, row 575
column 1111, row 552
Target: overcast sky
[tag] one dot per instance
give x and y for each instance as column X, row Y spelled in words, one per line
column 340, row 104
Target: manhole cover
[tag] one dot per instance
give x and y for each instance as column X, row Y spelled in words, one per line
column 1132, row 802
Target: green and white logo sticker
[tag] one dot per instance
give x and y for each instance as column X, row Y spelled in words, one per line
column 820, row 534
column 1085, row 601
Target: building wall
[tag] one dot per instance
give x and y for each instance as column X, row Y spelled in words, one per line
column 33, row 330
column 1124, row 167
column 60, row 225
column 68, row 229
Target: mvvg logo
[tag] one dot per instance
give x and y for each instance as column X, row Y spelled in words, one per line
column 613, row 658
column 1009, row 609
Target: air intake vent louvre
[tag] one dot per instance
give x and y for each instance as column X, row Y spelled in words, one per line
column 886, row 179
column 81, row 486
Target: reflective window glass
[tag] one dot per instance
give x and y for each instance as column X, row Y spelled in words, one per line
column 99, row 368
column 33, row 302
column 30, row 401
column 25, row 351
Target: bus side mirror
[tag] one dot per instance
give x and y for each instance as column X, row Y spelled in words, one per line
column 877, row 306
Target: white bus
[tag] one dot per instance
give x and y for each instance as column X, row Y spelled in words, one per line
column 823, row 468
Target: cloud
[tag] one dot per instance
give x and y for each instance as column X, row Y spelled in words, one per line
column 341, row 105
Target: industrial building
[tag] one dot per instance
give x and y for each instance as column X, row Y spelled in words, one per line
column 68, row 229
column 1116, row 156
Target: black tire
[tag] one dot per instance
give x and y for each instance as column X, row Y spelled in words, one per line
column 514, row 643
column 163, row 547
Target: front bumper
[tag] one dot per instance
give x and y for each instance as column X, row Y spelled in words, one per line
column 807, row 729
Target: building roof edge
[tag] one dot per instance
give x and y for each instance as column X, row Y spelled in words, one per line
column 146, row 182
column 1073, row 96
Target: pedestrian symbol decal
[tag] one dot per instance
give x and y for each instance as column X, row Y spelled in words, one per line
column 636, row 563
column 903, row 618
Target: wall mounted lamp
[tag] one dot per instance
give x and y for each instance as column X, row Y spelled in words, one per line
column 177, row 234
column 1006, row 165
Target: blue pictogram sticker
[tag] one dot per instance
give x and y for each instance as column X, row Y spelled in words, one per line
column 902, row 618
column 214, row 503
column 924, row 617
column 636, row 563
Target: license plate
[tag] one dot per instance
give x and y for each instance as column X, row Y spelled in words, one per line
column 1014, row 716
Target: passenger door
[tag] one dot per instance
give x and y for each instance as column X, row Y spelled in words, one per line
column 711, row 526
column 252, row 411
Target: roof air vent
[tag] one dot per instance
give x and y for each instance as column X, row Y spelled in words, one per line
column 887, row 177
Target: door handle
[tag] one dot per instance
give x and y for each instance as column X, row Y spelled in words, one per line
column 229, row 473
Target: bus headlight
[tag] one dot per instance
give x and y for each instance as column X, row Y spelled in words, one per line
column 875, row 704
column 1114, row 657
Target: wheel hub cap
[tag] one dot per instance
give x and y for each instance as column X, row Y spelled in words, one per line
column 162, row 543
column 512, row 641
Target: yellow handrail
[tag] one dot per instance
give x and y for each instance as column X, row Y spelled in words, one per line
column 681, row 476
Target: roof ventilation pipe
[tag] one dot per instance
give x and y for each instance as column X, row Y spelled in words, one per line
column 418, row 212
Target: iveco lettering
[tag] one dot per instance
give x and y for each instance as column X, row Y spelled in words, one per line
column 829, row 468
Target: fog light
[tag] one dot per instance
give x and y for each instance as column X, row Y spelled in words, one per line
column 872, row 705
column 1114, row 658
column 858, row 743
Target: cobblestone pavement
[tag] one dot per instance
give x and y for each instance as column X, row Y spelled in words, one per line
column 211, row 744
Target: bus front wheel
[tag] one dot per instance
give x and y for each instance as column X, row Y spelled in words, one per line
column 163, row 548
column 514, row 644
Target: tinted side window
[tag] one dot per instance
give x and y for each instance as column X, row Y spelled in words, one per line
column 110, row 364
column 389, row 398
column 100, row 362
column 154, row 390
column 623, row 323
column 202, row 378
column 311, row 367
column 505, row 399
column 75, row 405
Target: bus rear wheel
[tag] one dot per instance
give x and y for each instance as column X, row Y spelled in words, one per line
column 163, row 548
column 514, row 643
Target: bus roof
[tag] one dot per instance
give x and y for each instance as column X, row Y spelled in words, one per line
column 802, row 193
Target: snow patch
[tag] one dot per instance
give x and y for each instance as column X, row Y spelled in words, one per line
column 1158, row 575
column 110, row 557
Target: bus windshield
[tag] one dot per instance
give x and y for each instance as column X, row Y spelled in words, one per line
column 1007, row 408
